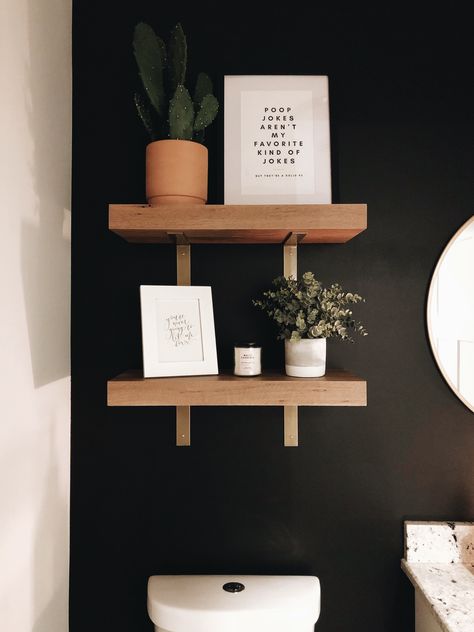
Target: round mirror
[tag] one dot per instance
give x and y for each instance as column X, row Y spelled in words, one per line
column 450, row 313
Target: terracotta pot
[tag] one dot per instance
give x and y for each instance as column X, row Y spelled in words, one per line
column 176, row 172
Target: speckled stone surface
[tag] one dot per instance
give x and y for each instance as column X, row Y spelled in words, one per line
column 439, row 561
column 441, row 542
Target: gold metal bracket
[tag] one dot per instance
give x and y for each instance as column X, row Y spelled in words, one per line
column 183, row 425
column 290, row 269
column 290, row 254
column 183, row 277
column 290, row 423
column 183, row 258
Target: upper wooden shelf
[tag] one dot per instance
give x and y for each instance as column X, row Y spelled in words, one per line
column 238, row 224
column 336, row 388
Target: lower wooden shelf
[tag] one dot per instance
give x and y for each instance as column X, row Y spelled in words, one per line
column 336, row 388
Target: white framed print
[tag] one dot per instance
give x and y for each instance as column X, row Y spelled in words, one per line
column 276, row 140
column 178, row 331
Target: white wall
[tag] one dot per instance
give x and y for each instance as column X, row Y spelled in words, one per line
column 35, row 156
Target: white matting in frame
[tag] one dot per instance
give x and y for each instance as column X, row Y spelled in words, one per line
column 178, row 331
column 276, row 140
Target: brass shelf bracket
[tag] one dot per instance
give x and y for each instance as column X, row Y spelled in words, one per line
column 183, row 277
column 290, row 269
column 183, row 258
column 290, row 424
column 183, row 425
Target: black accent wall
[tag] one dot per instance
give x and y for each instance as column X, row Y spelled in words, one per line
column 236, row 501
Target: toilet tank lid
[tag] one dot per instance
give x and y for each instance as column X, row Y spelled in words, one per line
column 199, row 603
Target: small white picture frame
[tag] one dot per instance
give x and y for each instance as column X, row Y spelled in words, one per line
column 276, row 139
column 178, row 331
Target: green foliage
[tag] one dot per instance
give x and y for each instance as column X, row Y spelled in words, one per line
column 167, row 110
column 145, row 114
column 303, row 308
column 178, row 57
column 207, row 112
column 150, row 55
column 181, row 115
column 203, row 87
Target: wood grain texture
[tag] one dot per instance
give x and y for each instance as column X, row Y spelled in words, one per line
column 245, row 224
column 336, row 388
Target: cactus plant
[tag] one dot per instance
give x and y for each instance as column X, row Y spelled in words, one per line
column 166, row 108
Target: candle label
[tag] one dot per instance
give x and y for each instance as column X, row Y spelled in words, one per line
column 247, row 361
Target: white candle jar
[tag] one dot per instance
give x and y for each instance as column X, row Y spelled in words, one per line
column 247, row 359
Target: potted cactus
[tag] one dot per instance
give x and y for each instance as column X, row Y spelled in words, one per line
column 307, row 314
column 176, row 159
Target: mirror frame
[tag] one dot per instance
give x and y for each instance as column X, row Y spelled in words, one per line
column 428, row 316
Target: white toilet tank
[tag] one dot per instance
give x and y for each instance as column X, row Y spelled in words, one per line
column 237, row 603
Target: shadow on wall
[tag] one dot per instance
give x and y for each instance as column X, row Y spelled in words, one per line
column 50, row 569
column 45, row 270
column 45, row 240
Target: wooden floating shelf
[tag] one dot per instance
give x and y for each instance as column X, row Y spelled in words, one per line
column 336, row 388
column 238, row 224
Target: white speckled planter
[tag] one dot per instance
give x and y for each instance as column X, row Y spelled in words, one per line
column 305, row 358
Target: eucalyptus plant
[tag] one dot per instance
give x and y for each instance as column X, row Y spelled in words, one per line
column 166, row 108
column 303, row 308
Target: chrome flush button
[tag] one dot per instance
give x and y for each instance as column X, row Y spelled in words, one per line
column 233, row 587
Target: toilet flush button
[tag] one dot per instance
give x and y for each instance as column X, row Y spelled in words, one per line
column 233, row 587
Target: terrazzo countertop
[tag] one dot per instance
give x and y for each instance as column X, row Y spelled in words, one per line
column 439, row 561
